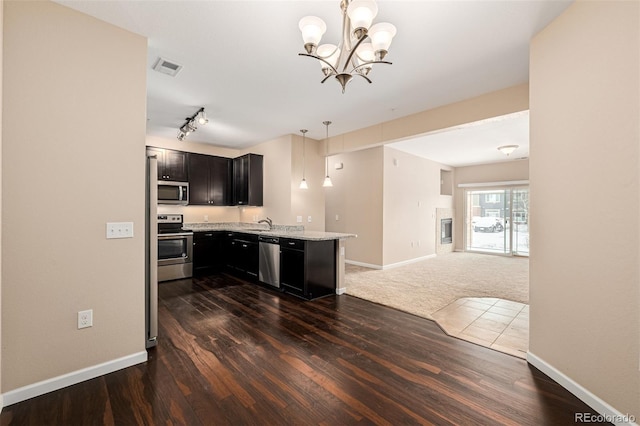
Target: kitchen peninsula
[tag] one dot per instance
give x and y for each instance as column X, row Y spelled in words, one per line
column 308, row 264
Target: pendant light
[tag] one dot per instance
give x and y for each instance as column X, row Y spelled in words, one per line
column 327, row 180
column 303, row 183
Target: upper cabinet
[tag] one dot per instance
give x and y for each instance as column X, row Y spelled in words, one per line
column 209, row 180
column 172, row 165
column 247, row 180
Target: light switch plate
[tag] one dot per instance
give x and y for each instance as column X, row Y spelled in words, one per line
column 119, row 230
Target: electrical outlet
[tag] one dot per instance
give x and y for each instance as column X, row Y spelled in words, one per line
column 206, row 218
column 308, row 218
column 119, row 230
column 85, row 319
column 337, row 217
column 299, row 219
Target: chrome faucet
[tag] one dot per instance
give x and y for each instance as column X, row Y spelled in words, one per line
column 268, row 221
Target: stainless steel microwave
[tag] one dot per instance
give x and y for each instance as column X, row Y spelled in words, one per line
column 173, row 193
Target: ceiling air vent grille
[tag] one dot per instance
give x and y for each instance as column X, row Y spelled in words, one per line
column 167, row 67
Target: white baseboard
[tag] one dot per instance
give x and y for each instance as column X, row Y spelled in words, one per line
column 55, row 383
column 392, row 265
column 608, row 413
column 364, row 265
column 407, row 262
column 342, row 290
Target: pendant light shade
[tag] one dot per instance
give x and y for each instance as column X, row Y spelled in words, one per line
column 327, row 180
column 303, row 183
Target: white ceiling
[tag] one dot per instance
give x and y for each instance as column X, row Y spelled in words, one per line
column 241, row 62
column 473, row 143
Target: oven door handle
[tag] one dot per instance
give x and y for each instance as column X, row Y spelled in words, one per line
column 173, row 236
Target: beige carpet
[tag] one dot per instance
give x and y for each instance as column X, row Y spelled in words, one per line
column 425, row 287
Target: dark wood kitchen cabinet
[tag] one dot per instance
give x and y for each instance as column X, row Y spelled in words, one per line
column 209, row 180
column 242, row 255
column 208, row 252
column 248, row 180
column 307, row 268
column 172, row 165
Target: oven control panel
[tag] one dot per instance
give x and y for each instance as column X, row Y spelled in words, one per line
column 169, row 218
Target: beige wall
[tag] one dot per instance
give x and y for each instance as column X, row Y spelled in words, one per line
column 1, row 80
column 64, row 175
column 356, row 198
column 585, row 191
column 489, row 105
column 513, row 170
column 411, row 197
column 307, row 202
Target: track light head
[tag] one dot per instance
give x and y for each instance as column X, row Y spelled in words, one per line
column 202, row 117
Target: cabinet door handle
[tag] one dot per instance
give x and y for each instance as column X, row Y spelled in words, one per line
column 208, row 235
column 244, row 246
column 292, row 244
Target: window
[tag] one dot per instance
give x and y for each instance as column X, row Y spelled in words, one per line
column 492, row 198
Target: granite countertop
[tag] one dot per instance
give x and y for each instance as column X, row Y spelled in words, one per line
column 283, row 231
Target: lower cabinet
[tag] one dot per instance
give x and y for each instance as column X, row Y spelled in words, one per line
column 307, row 268
column 292, row 267
column 242, row 254
column 208, row 252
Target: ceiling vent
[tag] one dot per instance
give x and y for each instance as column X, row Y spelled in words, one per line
column 167, row 67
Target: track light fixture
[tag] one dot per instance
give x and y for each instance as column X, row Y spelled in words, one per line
column 190, row 125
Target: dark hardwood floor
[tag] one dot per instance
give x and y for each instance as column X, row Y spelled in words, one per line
column 235, row 353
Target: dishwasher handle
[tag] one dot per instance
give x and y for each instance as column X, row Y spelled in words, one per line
column 269, row 240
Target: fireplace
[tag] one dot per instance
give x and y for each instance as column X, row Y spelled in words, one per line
column 446, row 231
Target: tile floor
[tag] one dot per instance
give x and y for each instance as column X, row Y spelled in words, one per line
column 498, row 324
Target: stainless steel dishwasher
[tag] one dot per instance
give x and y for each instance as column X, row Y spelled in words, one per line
column 269, row 261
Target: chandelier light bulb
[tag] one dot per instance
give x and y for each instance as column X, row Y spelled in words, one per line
column 365, row 54
column 330, row 53
column 381, row 35
column 312, row 28
column 327, row 182
column 303, row 184
column 361, row 13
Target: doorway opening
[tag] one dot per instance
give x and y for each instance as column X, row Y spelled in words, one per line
column 497, row 221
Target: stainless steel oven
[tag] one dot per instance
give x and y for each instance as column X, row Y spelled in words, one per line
column 175, row 249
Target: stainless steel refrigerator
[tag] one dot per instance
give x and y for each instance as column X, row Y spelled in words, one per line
column 151, row 257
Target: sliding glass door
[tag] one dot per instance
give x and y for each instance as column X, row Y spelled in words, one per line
column 497, row 221
column 520, row 221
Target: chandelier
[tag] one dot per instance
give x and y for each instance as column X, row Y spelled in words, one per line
column 352, row 56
